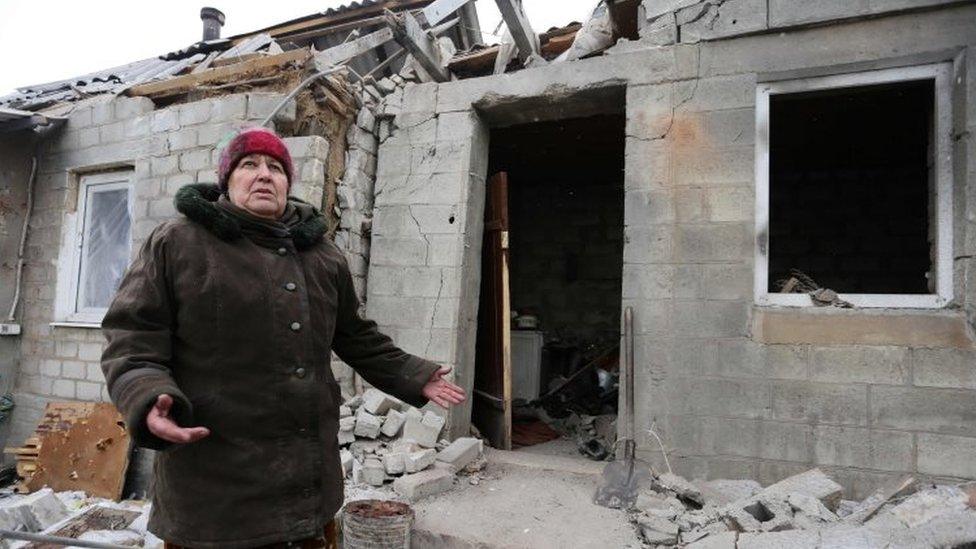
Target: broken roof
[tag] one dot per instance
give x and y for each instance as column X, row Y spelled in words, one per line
column 202, row 55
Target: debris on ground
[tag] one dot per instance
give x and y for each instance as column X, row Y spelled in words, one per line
column 801, row 283
column 76, row 446
column 75, row 515
column 385, row 442
column 803, row 511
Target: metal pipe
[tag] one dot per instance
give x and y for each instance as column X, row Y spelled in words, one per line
column 23, row 238
column 299, row 88
column 56, row 540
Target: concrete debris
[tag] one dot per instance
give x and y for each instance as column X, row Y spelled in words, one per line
column 424, row 431
column 377, row 402
column 37, row 511
column 813, row 483
column 394, row 421
column 658, row 530
column 461, row 452
column 682, row 489
column 383, row 439
column 367, row 425
column 722, row 492
column 425, row 483
column 803, row 511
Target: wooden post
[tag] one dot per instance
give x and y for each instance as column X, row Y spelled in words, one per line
column 525, row 38
column 421, row 45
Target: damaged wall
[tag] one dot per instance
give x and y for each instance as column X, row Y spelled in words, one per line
column 729, row 399
column 166, row 149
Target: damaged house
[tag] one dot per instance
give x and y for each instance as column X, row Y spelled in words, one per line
column 783, row 193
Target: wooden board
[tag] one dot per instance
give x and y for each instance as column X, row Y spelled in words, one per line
column 492, row 413
column 183, row 84
column 76, row 446
column 95, row 519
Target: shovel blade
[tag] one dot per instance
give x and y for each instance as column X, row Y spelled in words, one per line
column 620, row 483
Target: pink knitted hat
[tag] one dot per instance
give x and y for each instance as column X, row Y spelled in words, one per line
column 256, row 140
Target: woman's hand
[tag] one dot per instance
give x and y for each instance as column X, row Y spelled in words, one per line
column 441, row 391
column 163, row 426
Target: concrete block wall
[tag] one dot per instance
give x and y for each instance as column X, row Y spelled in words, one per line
column 166, row 149
column 424, row 264
column 726, row 402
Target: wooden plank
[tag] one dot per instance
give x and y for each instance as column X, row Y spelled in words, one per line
column 79, row 446
column 525, row 38
column 188, row 82
column 349, row 50
column 493, row 369
column 424, row 48
column 441, row 9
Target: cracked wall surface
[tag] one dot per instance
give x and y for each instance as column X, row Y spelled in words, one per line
column 729, row 399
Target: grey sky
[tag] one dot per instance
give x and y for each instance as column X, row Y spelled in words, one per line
column 45, row 40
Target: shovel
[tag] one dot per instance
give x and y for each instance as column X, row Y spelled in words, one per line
column 623, row 478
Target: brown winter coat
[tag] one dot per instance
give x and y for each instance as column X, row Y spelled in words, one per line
column 236, row 319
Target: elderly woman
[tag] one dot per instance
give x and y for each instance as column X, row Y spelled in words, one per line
column 219, row 342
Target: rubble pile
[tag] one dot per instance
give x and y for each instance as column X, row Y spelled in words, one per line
column 73, row 514
column 803, row 511
column 383, row 439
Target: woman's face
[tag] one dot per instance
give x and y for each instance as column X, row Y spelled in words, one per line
column 259, row 185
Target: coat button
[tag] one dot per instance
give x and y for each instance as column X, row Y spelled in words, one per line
column 300, row 373
column 282, row 251
column 291, row 286
column 295, row 326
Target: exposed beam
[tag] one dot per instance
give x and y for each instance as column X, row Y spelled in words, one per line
column 422, row 45
column 441, row 9
column 185, row 83
column 526, row 40
column 359, row 46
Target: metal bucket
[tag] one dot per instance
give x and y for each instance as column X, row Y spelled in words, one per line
column 376, row 524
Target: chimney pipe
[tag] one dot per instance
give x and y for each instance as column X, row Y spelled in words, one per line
column 213, row 19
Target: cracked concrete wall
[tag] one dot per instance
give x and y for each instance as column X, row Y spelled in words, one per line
column 665, row 22
column 166, row 149
column 733, row 391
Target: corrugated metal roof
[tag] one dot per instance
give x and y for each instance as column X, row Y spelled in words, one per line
column 14, row 119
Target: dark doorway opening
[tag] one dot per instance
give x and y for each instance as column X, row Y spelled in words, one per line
column 564, row 227
column 850, row 188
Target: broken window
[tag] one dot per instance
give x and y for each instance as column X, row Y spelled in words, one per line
column 852, row 189
column 94, row 260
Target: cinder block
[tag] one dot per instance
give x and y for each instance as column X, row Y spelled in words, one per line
column 424, row 432
column 73, row 369
column 944, row 455
column 856, row 447
column 229, row 108
column 394, row 421
column 916, row 409
column 346, row 459
column 812, row 402
column 813, row 483
column 165, row 120
column 193, row 113
column 886, row 365
column 373, row 472
column 63, row 388
column 461, row 452
column 425, row 483
column 712, row 242
column 260, row 105
column 711, row 318
column 952, row 368
column 394, row 463
column 39, row 510
column 420, row 460
column 184, row 139
column 367, row 425
column 90, row 392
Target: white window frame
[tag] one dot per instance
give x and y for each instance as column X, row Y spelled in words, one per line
column 71, row 256
column 941, row 172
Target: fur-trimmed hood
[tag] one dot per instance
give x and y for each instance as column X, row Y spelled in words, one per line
column 198, row 202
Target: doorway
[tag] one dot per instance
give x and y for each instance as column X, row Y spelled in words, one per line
column 549, row 315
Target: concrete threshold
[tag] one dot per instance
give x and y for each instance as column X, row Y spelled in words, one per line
column 524, row 500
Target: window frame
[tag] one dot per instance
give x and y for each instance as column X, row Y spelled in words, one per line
column 940, row 181
column 71, row 257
